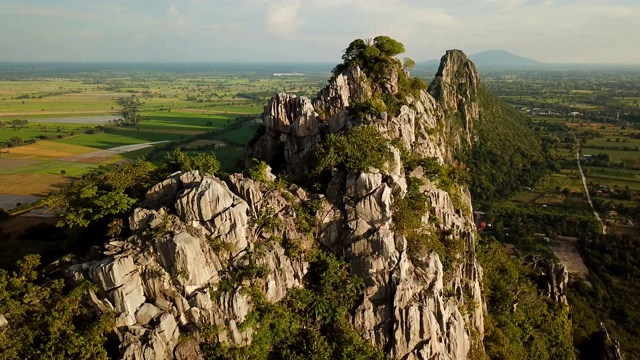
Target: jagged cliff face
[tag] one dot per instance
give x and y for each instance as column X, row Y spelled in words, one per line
column 405, row 310
column 456, row 88
column 191, row 231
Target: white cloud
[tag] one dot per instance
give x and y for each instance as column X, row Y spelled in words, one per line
column 283, row 19
column 177, row 22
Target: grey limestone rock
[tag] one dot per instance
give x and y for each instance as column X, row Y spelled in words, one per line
column 3, row 322
column 204, row 229
column 204, row 201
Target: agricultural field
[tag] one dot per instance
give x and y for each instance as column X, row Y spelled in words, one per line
column 591, row 111
column 57, row 122
column 592, row 116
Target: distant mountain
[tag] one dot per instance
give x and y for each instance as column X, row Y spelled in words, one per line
column 500, row 58
column 492, row 59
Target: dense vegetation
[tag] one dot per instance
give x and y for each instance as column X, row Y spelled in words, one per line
column 310, row 323
column 111, row 192
column 612, row 296
column 507, row 155
column 521, row 323
column 360, row 148
column 376, row 58
column 48, row 319
column 523, row 219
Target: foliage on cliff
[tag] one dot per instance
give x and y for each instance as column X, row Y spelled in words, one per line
column 46, row 319
column 372, row 57
column 612, row 297
column 110, row 192
column 360, row 148
column 507, row 154
column 377, row 59
column 521, row 323
column 310, row 323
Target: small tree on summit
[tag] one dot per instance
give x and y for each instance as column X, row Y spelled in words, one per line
column 354, row 50
column 388, row 46
column 370, row 56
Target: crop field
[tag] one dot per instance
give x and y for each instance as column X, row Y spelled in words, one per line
column 597, row 112
column 53, row 119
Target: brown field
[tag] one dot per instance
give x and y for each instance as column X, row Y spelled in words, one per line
column 32, row 184
column 213, row 111
column 51, row 112
column 202, row 142
column 49, row 149
column 12, row 163
column 623, row 230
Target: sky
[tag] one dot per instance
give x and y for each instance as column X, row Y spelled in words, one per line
column 555, row 31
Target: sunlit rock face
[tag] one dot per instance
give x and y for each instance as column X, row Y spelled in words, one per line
column 191, row 229
column 411, row 308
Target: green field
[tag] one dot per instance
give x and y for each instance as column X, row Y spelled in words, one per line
column 177, row 108
column 51, row 167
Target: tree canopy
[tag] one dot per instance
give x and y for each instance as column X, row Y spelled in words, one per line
column 46, row 319
column 110, row 192
column 370, row 57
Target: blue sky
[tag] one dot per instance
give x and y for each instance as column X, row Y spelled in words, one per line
column 569, row 31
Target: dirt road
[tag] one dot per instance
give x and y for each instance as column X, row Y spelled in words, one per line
column 113, row 151
column 586, row 191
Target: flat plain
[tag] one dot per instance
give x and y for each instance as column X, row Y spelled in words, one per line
column 52, row 119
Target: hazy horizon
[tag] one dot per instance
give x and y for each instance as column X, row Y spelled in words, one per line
column 304, row 31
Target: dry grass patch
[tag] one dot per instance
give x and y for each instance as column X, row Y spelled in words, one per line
column 201, row 143
column 176, row 131
column 11, row 163
column 38, row 185
column 50, row 149
column 569, row 256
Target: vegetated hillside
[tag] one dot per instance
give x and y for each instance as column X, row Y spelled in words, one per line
column 362, row 247
column 502, row 152
column 507, row 154
column 612, row 297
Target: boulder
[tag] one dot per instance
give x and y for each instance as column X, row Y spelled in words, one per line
column 162, row 194
column 146, row 313
column 204, row 201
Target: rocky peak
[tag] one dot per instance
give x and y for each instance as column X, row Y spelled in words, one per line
column 413, row 308
column 611, row 347
column 194, row 233
column 456, row 88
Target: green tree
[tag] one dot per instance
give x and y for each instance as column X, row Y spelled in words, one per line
column 181, row 161
column 106, row 193
column 360, row 148
column 408, row 63
column 130, row 110
column 48, row 320
column 388, row 46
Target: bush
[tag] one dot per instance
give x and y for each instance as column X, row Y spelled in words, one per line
column 258, row 172
column 181, row 161
column 361, row 148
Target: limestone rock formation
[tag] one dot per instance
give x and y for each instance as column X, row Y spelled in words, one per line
column 411, row 308
column 193, row 233
column 611, row 347
column 556, row 278
column 161, row 279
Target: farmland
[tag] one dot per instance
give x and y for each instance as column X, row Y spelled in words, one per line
column 596, row 115
column 54, row 116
